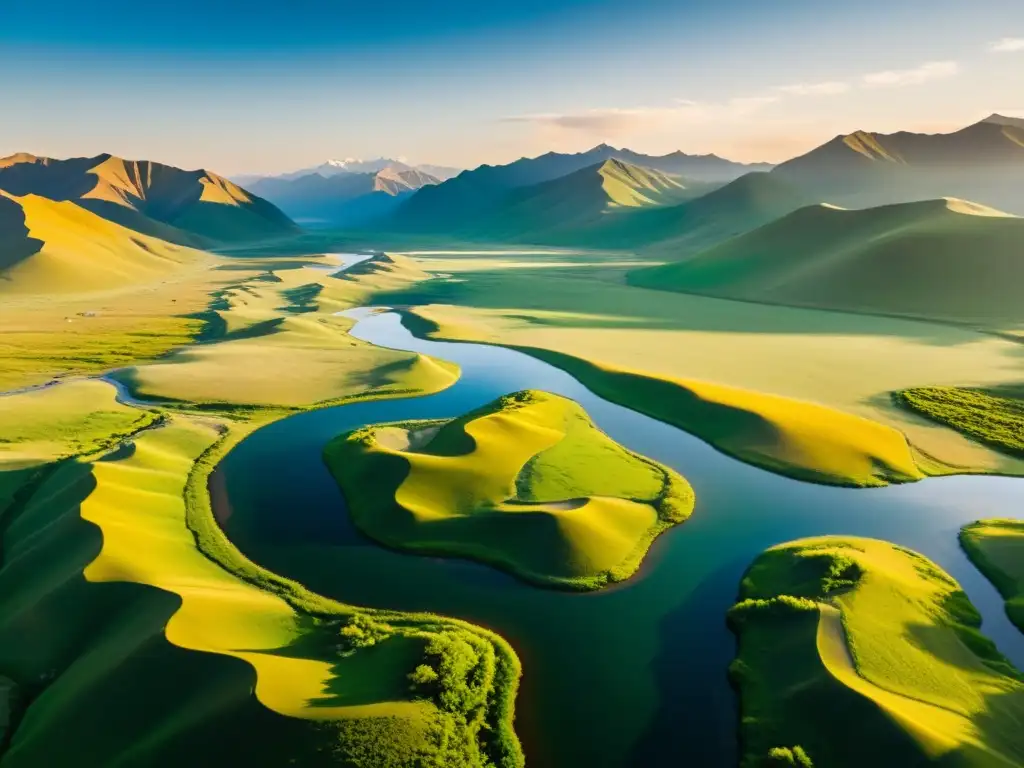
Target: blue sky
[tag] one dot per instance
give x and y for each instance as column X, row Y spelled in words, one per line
column 252, row 87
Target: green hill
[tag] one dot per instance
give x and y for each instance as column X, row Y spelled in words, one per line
column 60, row 247
column 944, row 259
column 857, row 652
column 570, row 207
column 739, row 206
column 527, row 483
column 187, row 207
column 981, row 162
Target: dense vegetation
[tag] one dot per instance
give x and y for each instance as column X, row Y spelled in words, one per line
column 995, row 418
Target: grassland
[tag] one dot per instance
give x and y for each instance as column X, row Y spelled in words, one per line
column 578, row 306
column 946, row 259
column 526, row 483
column 190, row 654
column 996, row 547
column 285, row 331
column 860, row 652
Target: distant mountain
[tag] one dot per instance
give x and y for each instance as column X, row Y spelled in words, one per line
column 192, row 207
column 51, row 247
column 945, row 259
column 562, row 208
column 476, row 193
column 343, row 198
column 353, row 165
column 1013, row 122
column 981, row 162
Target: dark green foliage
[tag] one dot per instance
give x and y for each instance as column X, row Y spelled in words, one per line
column 988, row 418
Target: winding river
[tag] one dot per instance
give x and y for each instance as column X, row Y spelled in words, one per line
column 631, row 675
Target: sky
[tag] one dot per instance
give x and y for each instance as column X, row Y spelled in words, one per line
column 259, row 87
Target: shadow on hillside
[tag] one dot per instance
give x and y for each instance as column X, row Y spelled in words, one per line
column 15, row 243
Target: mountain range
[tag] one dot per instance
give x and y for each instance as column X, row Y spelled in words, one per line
column 981, row 162
column 344, row 197
column 484, row 190
column 187, row 207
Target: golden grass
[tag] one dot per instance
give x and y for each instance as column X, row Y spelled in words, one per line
column 83, row 252
column 527, row 483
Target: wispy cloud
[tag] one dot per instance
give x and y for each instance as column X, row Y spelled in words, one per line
column 828, row 88
column 1007, row 45
column 896, row 78
column 613, row 121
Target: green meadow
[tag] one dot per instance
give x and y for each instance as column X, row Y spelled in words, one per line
column 526, row 483
column 857, row 652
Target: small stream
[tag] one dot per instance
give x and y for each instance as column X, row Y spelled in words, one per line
column 631, row 675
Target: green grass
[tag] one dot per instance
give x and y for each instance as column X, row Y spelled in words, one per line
column 996, row 547
column 864, row 653
column 989, row 418
column 526, row 483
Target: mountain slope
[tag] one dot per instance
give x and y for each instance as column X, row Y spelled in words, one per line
column 60, row 247
column 737, row 207
column 471, row 194
column 566, row 207
column 944, row 259
column 980, row 162
column 189, row 207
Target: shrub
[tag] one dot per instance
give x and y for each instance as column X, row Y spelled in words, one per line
column 788, row 756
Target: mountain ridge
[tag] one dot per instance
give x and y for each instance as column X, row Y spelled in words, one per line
column 192, row 207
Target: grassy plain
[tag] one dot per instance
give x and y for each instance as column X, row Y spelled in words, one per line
column 278, row 342
column 527, row 483
column 180, row 656
column 996, row 547
column 576, row 306
column 861, row 652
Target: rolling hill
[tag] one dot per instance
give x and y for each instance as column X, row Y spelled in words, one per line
column 343, row 198
column 981, row 162
column 186, row 207
column 740, row 206
column 567, row 208
column 945, row 259
column 471, row 194
column 54, row 247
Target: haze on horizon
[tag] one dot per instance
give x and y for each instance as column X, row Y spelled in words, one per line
column 242, row 90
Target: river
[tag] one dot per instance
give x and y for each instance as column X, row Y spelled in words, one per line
column 630, row 675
